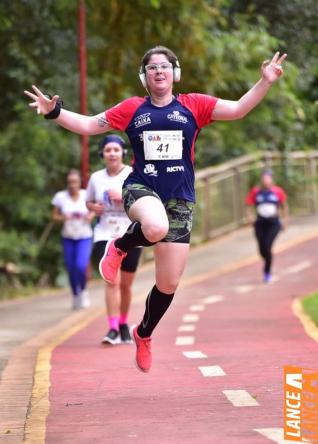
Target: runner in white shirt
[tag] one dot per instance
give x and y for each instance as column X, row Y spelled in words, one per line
column 104, row 197
column 69, row 207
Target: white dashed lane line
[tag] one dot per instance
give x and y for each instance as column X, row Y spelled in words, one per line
column 297, row 268
column 191, row 317
column 275, row 435
column 186, row 327
column 244, row 288
column 240, row 398
column 211, row 370
column 184, row 340
column 194, row 354
column 213, row 299
column 198, row 307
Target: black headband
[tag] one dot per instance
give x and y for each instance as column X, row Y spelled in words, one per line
column 113, row 138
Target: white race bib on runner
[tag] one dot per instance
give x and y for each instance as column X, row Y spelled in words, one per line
column 162, row 145
column 267, row 210
column 113, row 224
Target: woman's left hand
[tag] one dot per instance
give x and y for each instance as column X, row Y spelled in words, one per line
column 272, row 69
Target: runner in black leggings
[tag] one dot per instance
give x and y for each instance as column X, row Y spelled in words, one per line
column 267, row 199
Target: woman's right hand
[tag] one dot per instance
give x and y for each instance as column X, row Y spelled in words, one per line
column 42, row 103
column 98, row 208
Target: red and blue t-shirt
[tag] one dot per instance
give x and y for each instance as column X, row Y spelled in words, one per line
column 266, row 201
column 169, row 178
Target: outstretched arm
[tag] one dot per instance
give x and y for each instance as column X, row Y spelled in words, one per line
column 77, row 123
column 233, row 110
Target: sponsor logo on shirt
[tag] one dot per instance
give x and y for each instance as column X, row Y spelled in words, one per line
column 150, row 169
column 142, row 120
column 269, row 198
column 177, row 117
column 175, row 169
column 154, row 138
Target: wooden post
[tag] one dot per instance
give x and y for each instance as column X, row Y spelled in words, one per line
column 83, row 88
column 207, row 208
column 236, row 197
column 312, row 170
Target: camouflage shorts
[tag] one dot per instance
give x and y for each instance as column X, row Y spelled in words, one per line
column 179, row 212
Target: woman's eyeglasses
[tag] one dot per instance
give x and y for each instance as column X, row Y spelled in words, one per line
column 154, row 67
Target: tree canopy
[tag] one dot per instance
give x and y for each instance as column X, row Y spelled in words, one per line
column 220, row 44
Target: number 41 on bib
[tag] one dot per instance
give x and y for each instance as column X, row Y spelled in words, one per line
column 162, row 145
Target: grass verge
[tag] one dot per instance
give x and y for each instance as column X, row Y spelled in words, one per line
column 310, row 305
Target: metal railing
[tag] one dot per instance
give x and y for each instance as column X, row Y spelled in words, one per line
column 221, row 190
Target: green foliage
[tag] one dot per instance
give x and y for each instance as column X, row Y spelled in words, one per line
column 310, row 305
column 220, row 45
column 33, row 164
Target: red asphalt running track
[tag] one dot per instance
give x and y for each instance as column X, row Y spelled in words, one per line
column 98, row 396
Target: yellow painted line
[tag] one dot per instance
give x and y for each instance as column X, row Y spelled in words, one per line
column 309, row 326
column 35, row 428
column 297, row 306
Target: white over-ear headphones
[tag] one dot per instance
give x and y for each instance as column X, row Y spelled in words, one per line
column 176, row 74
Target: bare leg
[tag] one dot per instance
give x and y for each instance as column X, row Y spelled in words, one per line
column 112, row 298
column 126, row 280
column 112, row 308
column 151, row 214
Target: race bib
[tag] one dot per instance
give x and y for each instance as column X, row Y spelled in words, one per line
column 76, row 229
column 113, row 224
column 162, row 145
column 267, row 210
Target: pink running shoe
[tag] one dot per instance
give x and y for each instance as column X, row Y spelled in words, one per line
column 111, row 262
column 143, row 352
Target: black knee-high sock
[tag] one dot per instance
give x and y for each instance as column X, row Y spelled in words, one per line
column 157, row 303
column 134, row 237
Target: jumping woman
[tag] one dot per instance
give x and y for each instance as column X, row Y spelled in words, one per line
column 158, row 195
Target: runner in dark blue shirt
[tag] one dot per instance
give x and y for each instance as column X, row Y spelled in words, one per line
column 159, row 195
